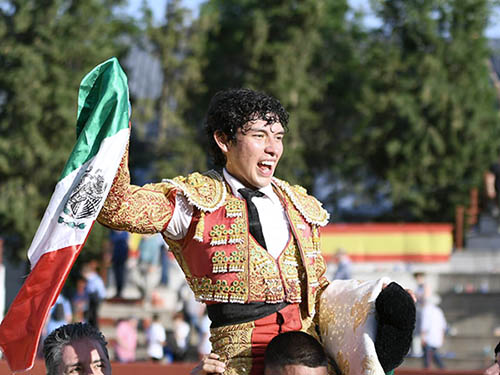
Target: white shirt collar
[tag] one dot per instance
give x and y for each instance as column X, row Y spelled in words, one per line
column 235, row 185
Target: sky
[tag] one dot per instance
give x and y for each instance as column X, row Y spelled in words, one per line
column 158, row 7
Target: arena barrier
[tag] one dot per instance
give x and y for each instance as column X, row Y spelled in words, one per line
column 185, row 368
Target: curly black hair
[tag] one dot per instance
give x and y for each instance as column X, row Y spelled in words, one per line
column 232, row 109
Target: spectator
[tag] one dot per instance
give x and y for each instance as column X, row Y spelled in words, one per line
column 126, row 340
column 156, row 339
column 165, row 264
column 95, row 291
column 422, row 292
column 181, row 335
column 119, row 242
column 432, row 331
column 80, row 300
column 150, row 248
column 495, row 368
column 344, row 266
column 60, row 314
column 492, row 185
column 76, row 348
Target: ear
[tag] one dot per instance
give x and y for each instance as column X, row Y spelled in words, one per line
column 222, row 141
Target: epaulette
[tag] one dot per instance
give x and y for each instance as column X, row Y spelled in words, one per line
column 205, row 191
column 307, row 205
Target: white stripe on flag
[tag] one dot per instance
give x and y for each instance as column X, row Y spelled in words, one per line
column 52, row 234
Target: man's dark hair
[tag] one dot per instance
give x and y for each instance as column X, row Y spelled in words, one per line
column 231, row 109
column 497, row 349
column 294, row 348
column 54, row 344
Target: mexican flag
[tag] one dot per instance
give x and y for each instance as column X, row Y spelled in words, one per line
column 102, row 129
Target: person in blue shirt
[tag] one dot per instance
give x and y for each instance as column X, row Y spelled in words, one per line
column 95, row 290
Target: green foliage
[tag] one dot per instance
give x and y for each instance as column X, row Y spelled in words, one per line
column 46, row 47
column 406, row 112
column 175, row 149
column 429, row 125
column 271, row 47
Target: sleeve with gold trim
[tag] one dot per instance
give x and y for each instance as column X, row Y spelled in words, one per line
column 136, row 209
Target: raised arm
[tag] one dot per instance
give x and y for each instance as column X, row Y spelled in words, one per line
column 146, row 209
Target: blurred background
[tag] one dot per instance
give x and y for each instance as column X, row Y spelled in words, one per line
column 394, row 126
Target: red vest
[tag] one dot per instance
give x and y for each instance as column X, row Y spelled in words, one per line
column 224, row 263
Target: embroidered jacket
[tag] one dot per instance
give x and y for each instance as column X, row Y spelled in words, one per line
column 222, row 262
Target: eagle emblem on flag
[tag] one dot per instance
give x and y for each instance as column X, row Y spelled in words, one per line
column 85, row 199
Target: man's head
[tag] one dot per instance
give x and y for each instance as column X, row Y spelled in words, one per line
column 495, row 368
column 295, row 353
column 245, row 130
column 76, row 348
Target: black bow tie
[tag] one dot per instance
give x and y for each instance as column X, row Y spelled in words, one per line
column 253, row 215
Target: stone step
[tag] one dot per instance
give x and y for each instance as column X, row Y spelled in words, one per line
column 474, row 347
column 452, row 363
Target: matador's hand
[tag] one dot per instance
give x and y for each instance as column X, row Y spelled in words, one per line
column 209, row 365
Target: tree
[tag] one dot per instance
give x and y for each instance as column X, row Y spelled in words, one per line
column 429, row 116
column 270, row 47
column 46, row 49
column 167, row 138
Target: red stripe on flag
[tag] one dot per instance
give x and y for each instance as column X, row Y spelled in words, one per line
column 21, row 328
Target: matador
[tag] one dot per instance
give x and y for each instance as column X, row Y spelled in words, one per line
column 247, row 242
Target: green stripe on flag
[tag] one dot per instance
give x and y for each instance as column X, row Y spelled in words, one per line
column 107, row 86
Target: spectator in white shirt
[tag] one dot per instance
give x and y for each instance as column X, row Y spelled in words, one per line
column 156, row 338
column 432, row 331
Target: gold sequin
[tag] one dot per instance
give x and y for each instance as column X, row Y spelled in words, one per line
column 136, row 209
column 218, row 235
column 234, row 208
column 360, row 310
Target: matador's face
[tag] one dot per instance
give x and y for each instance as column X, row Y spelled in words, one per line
column 252, row 158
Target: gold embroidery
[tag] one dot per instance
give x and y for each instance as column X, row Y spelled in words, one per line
column 238, row 231
column 200, row 228
column 218, row 235
column 202, row 288
column 176, row 249
column 265, row 281
column 234, row 208
column 360, row 310
column 206, row 191
column 291, row 267
column 307, row 205
column 219, row 262
column 343, row 363
column 234, row 346
column 136, row 209
column 236, row 262
column 221, row 293
column 368, row 365
column 237, row 292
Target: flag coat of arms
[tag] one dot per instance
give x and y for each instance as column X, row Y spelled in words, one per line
column 102, row 135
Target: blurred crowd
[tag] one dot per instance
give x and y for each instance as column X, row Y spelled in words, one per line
column 172, row 325
column 137, row 270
